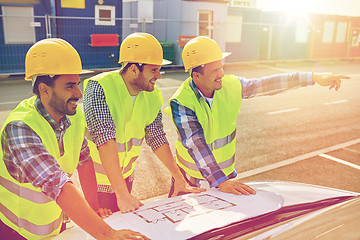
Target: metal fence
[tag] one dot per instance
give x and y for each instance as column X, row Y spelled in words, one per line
column 248, row 41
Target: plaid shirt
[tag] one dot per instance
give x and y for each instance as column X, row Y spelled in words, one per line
column 191, row 131
column 102, row 128
column 101, row 125
column 27, row 160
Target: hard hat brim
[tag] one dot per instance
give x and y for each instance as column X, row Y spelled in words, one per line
column 86, row 71
column 166, row 62
column 82, row 72
column 224, row 55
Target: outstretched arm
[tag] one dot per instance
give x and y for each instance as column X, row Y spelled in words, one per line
column 277, row 83
column 274, row 84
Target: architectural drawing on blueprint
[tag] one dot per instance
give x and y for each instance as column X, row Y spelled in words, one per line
column 189, row 206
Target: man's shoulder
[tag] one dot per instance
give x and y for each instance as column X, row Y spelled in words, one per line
column 17, row 124
column 105, row 75
column 231, row 78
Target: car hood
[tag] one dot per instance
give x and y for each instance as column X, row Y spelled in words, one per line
column 339, row 221
column 190, row 215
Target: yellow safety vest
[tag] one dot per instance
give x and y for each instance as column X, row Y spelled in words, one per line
column 218, row 123
column 24, row 207
column 130, row 120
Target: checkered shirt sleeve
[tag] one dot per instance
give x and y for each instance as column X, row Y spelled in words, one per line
column 155, row 135
column 97, row 114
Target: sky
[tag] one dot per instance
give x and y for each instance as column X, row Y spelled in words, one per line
column 334, row 7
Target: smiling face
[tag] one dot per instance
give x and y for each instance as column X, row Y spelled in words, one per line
column 61, row 99
column 210, row 80
column 145, row 80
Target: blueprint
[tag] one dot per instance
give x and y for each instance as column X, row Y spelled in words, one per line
column 186, row 216
column 179, row 209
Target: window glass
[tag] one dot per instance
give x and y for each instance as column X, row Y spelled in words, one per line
column 18, row 24
column 104, row 15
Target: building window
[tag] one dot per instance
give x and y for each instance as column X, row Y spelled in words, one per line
column 302, row 31
column 18, row 27
column 341, row 32
column 104, row 15
column 328, row 33
column 233, row 28
column 206, row 23
column 146, row 11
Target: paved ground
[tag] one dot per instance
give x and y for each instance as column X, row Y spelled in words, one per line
column 309, row 134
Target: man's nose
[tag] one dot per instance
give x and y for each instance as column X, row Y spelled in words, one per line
column 78, row 93
column 158, row 74
column 221, row 73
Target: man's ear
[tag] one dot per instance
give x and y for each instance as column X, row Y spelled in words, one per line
column 195, row 75
column 133, row 69
column 44, row 89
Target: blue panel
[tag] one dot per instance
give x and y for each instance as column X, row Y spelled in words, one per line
column 12, row 57
column 78, row 31
column 75, row 31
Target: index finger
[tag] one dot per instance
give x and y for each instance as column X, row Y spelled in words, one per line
column 247, row 188
column 342, row 76
column 104, row 212
column 197, row 190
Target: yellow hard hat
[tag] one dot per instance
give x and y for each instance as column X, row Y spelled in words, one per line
column 52, row 56
column 201, row 50
column 142, row 48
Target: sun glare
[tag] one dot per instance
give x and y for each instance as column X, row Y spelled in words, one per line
column 294, row 8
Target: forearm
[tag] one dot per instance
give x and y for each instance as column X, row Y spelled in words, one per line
column 193, row 139
column 71, row 201
column 88, row 184
column 274, row 84
column 110, row 162
column 155, row 135
column 164, row 154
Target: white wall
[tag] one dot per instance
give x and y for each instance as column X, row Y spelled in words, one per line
column 190, row 13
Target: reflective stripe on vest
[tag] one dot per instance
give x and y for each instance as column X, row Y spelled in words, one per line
column 219, row 143
column 222, row 142
column 25, row 208
column 25, row 193
column 100, row 169
column 39, row 230
column 129, row 118
column 218, row 123
column 133, row 142
column 192, row 166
